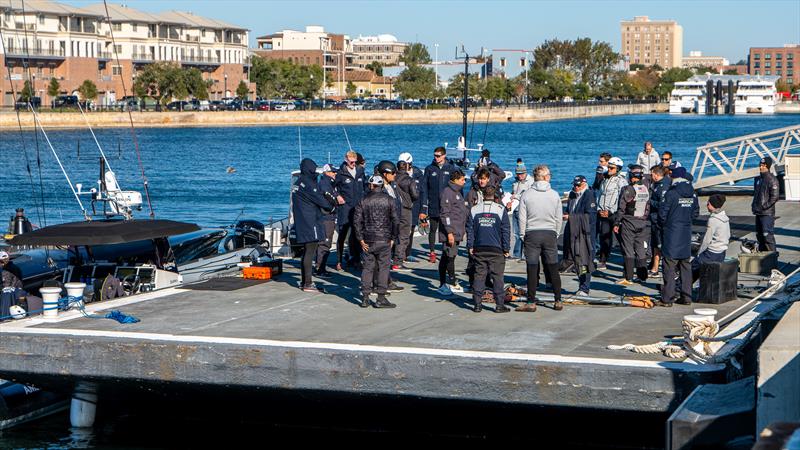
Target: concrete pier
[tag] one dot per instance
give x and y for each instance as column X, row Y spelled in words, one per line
column 234, row 333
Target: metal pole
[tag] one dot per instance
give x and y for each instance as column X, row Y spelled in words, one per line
column 464, row 111
column 526, row 78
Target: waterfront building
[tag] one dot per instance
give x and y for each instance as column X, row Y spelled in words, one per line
column 651, row 42
column 314, row 46
column 776, row 61
column 77, row 44
column 697, row 59
column 366, row 82
column 741, row 69
column 384, row 48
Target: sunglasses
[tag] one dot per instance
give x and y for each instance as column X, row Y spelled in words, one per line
column 351, row 162
column 666, row 159
column 437, row 156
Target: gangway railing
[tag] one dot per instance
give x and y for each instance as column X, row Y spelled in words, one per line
column 735, row 159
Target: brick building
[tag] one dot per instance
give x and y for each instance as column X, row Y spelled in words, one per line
column 776, row 61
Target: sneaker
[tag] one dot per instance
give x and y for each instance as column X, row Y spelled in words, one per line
column 323, row 274
column 527, row 307
column 394, row 288
column 456, row 289
column 310, row 288
column 477, row 308
column 432, row 257
column 382, row 302
column 444, row 290
column 364, row 301
column 502, row 309
column 601, row 266
column 583, row 294
column 663, row 304
column 684, row 301
column 400, row 267
column 558, row 306
column 653, row 275
column 412, row 259
column 624, row 282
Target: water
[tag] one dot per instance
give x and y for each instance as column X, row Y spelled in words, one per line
column 186, row 167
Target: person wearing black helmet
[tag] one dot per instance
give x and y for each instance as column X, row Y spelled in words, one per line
column 632, row 225
column 388, row 173
column 375, row 222
column 409, row 194
column 496, row 174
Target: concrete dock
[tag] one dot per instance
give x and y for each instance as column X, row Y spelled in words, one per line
column 235, row 333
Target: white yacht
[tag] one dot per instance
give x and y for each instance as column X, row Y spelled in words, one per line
column 756, row 97
column 688, row 97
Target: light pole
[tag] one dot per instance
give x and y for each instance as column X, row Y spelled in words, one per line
column 225, row 93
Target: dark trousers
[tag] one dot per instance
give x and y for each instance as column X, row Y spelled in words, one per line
column 634, row 241
column 375, row 272
column 308, row 251
column 567, row 258
column 488, row 264
column 542, row 244
column 410, row 241
column 765, row 233
column 605, row 234
column 346, row 233
column 676, row 268
column 447, row 263
column 584, row 278
column 706, row 257
column 324, row 248
column 401, row 246
column 433, row 229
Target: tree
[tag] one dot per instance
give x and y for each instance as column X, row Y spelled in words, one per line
column 415, row 54
column 54, row 88
column 88, row 90
column 242, row 90
column 730, row 72
column 782, row 86
column 636, row 67
column 497, row 88
column 161, row 81
column 350, row 89
column 376, row 67
column 285, row 79
column 644, row 83
column 415, row 82
column 700, row 70
column 456, row 86
column 669, row 78
column 196, row 86
column 741, row 62
column 657, row 67
column 26, row 93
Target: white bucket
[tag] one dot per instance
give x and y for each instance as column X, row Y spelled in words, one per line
column 50, row 296
column 75, row 290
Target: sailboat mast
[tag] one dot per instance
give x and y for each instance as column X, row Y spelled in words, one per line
column 464, row 111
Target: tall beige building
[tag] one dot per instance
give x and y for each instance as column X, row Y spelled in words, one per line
column 649, row 42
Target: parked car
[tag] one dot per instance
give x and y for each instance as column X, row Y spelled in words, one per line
column 180, row 105
column 36, row 103
column 128, row 103
column 216, row 105
column 262, row 105
column 66, row 101
column 283, row 106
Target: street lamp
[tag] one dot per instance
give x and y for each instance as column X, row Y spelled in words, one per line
column 225, row 93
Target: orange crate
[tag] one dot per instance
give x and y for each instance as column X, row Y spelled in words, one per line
column 258, row 273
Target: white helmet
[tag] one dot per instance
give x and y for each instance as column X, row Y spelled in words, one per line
column 615, row 161
column 17, row 312
column 405, row 156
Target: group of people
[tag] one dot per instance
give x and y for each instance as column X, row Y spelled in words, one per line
column 649, row 211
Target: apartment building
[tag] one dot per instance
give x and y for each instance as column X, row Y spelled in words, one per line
column 314, row 46
column 365, row 82
column 650, row 42
column 384, row 48
column 697, row 59
column 76, row 44
column 776, row 61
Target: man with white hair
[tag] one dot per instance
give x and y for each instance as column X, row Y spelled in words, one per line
column 541, row 217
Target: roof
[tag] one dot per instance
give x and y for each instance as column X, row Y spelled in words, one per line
column 354, row 75
column 46, row 6
column 123, row 13
column 197, row 21
column 103, row 232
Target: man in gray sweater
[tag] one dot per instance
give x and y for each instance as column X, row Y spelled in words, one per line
column 540, row 217
column 717, row 237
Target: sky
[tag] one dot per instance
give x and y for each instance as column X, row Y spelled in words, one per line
column 715, row 27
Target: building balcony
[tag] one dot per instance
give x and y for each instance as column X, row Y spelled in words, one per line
column 105, row 56
column 142, row 58
column 200, row 60
column 37, row 53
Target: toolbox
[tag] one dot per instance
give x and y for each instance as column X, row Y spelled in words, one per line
column 263, row 270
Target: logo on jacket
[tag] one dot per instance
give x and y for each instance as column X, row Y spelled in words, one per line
column 348, row 181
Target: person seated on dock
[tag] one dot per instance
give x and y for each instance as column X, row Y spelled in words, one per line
column 376, row 223
column 677, row 211
column 488, row 244
column 717, row 237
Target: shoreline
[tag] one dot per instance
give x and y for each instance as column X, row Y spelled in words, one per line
column 70, row 120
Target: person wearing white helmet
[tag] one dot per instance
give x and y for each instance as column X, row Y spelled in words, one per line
column 607, row 205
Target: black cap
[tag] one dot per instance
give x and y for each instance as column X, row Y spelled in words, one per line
column 578, row 180
column 767, row 161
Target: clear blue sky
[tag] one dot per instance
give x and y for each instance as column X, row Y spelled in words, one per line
column 715, row 27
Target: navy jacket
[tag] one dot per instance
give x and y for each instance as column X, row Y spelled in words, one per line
column 329, row 191
column 488, row 227
column 351, row 189
column 675, row 215
column 416, row 175
column 454, row 213
column 434, row 180
column 308, row 205
column 657, row 191
column 581, row 226
column 766, row 192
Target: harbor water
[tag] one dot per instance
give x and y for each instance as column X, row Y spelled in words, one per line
column 213, row 175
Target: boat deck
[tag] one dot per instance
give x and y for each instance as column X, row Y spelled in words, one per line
column 235, row 332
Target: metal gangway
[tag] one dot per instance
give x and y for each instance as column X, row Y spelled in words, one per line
column 735, row 159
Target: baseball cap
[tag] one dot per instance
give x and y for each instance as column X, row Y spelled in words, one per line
column 4, row 255
column 376, row 180
column 767, row 161
column 578, row 180
column 679, row 172
column 328, row 168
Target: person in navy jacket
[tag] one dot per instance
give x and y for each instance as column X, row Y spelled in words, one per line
column 489, row 243
column 308, row 207
column 675, row 215
column 434, row 180
column 581, row 219
column 350, row 182
column 328, row 219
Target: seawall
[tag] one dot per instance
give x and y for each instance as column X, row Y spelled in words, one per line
column 8, row 119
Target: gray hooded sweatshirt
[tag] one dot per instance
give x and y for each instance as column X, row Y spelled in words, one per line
column 540, row 209
column 718, row 233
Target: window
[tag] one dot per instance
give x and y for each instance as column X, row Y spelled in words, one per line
column 767, row 55
column 203, row 32
column 118, row 49
column 41, row 19
column 790, row 56
column 116, row 70
column 767, row 64
column 767, row 72
column 778, row 64
column 133, row 26
column 757, row 64
column 758, row 72
column 778, row 55
column 789, row 64
column 116, row 26
column 778, row 72
column 756, row 56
